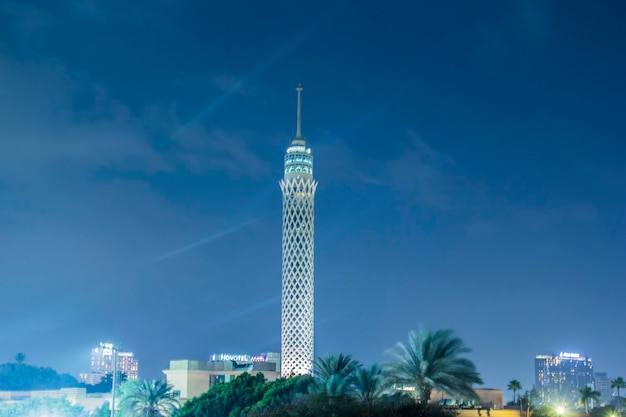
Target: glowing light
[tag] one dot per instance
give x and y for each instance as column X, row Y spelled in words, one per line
column 569, row 355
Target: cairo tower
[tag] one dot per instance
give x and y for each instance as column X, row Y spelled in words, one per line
column 298, row 187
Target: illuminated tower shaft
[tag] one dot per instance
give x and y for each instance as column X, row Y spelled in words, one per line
column 298, row 187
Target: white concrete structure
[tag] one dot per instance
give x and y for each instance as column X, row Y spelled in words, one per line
column 192, row 378
column 298, row 188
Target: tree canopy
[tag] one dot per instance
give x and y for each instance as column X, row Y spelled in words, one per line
column 19, row 376
column 148, row 398
column 342, row 387
column 232, row 399
column 433, row 361
column 514, row 386
column 587, row 394
column 334, row 374
column 618, row 383
column 41, row 406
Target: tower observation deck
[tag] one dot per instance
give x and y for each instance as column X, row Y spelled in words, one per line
column 298, row 189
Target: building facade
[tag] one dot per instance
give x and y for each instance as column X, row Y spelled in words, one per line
column 191, row 378
column 559, row 377
column 602, row 384
column 297, row 312
column 102, row 365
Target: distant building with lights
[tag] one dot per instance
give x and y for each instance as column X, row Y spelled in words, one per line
column 102, row 365
column 191, row 378
column 559, row 377
column 602, row 384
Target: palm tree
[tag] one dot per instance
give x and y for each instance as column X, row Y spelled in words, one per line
column 587, row 394
column 618, row 383
column 148, row 398
column 432, row 360
column 514, row 386
column 370, row 383
column 334, row 374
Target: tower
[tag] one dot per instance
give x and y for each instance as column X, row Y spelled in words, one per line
column 298, row 188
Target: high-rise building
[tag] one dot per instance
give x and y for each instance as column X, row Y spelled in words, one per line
column 102, row 365
column 298, row 188
column 602, row 384
column 558, row 378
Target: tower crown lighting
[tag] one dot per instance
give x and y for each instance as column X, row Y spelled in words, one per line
column 298, row 159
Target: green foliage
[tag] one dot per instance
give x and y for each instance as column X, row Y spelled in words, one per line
column 103, row 411
column 602, row 412
column 334, row 374
column 528, row 400
column 283, row 391
column 514, row 386
column 320, row 405
column 17, row 376
column 148, row 398
column 233, row 399
column 432, row 360
column 588, row 394
column 544, row 411
column 618, row 383
column 41, row 406
column 343, row 388
column 370, row 383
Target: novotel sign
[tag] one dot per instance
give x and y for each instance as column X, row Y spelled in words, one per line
column 569, row 355
column 238, row 358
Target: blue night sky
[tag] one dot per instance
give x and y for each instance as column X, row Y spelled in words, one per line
column 470, row 159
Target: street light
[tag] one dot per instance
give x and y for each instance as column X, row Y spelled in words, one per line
column 560, row 410
column 113, row 349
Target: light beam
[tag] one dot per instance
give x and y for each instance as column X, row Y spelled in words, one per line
column 204, row 241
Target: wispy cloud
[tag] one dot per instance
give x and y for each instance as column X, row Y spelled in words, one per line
column 423, row 172
column 535, row 220
column 217, row 150
column 416, row 169
column 51, row 117
column 26, row 20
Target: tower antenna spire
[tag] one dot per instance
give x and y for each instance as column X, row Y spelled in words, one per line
column 299, row 123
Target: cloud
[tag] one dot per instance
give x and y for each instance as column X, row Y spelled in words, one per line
column 217, row 150
column 418, row 171
column 422, row 171
column 535, row 220
column 24, row 21
column 52, row 117
column 542, row 219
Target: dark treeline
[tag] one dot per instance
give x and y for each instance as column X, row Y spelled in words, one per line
column 19, row 376
column 23, row 377
column 253, row 396
column 343, row 387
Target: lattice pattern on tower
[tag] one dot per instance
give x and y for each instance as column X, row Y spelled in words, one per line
column 298, row 272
